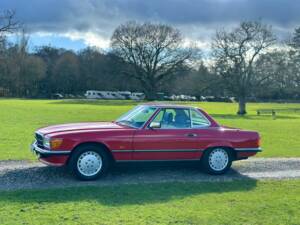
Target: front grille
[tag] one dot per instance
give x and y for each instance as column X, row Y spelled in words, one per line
column 39, row 140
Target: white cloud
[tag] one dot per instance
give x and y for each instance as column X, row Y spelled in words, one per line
column 93, row 39
column 89, row 38
column 93, row 21
column 85, row 15
column 201, row 44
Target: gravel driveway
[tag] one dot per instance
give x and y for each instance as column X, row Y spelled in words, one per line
column 27, row 175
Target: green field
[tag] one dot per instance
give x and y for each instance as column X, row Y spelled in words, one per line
column 19, row 119
column 239, row 202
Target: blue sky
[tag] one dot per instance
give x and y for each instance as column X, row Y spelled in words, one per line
column 36, row 40
column 76, row 24
column 58, row 41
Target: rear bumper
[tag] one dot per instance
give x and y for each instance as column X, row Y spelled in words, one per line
column 244, row 153
column 50, row 157
column 248, row 149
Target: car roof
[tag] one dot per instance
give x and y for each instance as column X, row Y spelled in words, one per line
column 167, row 105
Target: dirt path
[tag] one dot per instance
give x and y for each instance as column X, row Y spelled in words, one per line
column 27, row 175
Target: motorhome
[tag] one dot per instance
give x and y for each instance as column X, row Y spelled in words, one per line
column 137, row 96
column 125, row 94
column 93, row 94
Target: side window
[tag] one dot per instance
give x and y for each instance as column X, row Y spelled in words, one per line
column 173, row 118
column 143, row 115
column 159, row 116
column 198, row 120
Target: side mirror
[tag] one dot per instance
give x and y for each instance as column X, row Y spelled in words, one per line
column 154, row 125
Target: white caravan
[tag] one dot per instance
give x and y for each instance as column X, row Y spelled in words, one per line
column 92, row 94
column 137, row 96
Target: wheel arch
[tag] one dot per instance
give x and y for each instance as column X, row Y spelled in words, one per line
column 98, row 144
column 229, row 148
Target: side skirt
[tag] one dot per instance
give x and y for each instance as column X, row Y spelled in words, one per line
column 248, row 149
column 171, row 160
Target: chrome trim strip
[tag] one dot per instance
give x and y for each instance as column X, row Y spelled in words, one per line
column 159, row 160
column 118, row 151
column 160, row 150
column 37, row 149
column 185, row 150
column 248, row 149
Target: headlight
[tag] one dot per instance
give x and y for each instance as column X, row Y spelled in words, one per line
column 52, row 143
column 46, row 142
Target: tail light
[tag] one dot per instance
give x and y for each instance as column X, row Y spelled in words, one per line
column 258, row 141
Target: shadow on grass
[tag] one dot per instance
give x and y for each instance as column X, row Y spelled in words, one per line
column 97, row 102
column 132, row 103
column 251, row 117
column 116, row 102
column 123, row 185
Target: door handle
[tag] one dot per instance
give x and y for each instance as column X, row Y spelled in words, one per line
column 191, row 135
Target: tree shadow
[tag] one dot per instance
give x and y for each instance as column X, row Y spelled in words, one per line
column 252, row 117
column 122, row 186
column 96, row 102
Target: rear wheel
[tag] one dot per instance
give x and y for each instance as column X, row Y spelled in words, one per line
column 89, row 162
column 217, row 160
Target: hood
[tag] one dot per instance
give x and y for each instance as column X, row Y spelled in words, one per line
column 78, row 127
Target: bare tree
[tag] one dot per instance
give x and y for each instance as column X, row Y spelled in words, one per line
column 8, row 24
column 235, row 53
column 295, row 42
column 154, row 51
column 66, row 71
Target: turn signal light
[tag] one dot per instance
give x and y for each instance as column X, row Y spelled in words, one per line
column 55, row 143
column 258, row 142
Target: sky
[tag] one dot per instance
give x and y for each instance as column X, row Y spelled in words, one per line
column 76, row 24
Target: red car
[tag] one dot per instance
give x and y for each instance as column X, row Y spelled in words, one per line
column 149, row 132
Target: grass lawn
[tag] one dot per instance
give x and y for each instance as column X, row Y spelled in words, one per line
column 19, row 119
column 238, row 202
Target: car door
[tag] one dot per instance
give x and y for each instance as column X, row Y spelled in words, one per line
column 175, row 139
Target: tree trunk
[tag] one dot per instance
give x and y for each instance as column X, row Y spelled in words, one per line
column 151, row 91
column 150, row 95
column 242, row 106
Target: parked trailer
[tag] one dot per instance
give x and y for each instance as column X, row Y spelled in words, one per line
column 93, row 94
column 137, row 96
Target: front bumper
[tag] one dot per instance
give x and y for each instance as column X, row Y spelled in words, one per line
column 45, row 152
column 50, row 157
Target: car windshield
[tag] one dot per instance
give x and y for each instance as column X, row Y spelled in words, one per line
column 137, row 117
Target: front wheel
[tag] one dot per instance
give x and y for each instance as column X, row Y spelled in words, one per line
column 89, row 162
column 217, row 160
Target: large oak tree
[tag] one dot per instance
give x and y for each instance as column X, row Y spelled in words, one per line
column 156, row 52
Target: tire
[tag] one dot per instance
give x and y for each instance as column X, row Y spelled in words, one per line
column 89, row 162
column 217, row 161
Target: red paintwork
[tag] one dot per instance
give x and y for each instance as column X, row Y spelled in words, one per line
column 245, row 154
column 123, row 138
column 55, row 160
